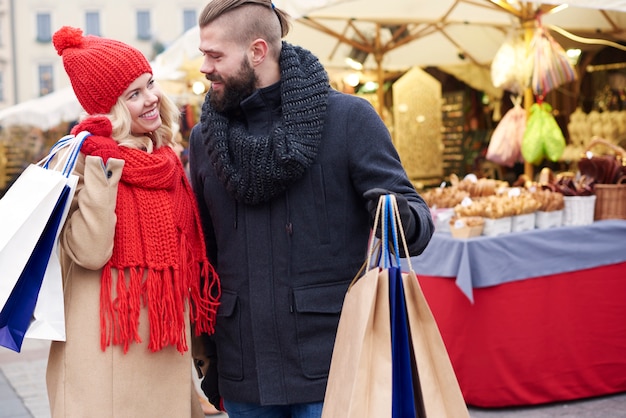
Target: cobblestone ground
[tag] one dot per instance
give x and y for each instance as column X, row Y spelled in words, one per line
column 23, row 381
column 23, row 392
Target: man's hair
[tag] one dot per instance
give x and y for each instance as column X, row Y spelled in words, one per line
column 252, row 19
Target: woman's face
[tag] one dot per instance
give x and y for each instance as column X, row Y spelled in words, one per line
column 142, row 99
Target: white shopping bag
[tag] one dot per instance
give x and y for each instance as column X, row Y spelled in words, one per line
column 24, row 211
column 48, row 321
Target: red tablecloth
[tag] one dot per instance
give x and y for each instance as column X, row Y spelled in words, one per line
column 540, row 340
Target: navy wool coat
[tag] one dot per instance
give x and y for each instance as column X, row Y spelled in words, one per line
column 285, row 265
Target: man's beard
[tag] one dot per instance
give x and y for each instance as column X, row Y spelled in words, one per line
column 236, row 88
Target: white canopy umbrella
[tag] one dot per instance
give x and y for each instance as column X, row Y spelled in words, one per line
column 619, row 5
column 44, row 112
column 404, row 33
column 399, row 34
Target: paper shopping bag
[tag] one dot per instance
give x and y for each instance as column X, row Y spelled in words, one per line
column 389, row 359
column 24, row 212
column 439, row 386
column 406, row 390
column 16, row 314
column 359, row 382
column 42, row 264
column 48, row 319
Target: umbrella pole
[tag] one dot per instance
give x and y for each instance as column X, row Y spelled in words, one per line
column 529, row 30
column 380, row 90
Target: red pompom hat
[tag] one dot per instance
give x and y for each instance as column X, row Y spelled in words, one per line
column 100, row 69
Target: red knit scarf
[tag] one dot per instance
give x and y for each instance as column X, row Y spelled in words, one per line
column 157, row 236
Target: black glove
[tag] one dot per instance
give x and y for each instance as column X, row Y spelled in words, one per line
column 210, row 385
column 406, row 215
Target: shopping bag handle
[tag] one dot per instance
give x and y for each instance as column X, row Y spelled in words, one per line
column 389, row 231
column 74, row 143
column 388, row 215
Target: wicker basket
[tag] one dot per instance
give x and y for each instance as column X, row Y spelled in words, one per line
column 610, row 200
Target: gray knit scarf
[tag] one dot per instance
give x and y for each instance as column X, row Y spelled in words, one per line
column 255, row 168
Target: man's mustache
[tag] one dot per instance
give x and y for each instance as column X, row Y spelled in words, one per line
column 213, row 77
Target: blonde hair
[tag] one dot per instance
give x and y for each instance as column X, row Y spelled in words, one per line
column 164, row 135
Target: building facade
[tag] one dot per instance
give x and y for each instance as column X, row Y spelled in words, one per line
column 29, row 64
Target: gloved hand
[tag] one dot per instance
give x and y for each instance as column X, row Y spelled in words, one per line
column 210, row 386
column 100, row 142
column 95, row 125
column 102, row 147
column 200, row 354
column 406, row 215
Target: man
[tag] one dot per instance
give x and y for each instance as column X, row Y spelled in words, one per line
column 287, row 173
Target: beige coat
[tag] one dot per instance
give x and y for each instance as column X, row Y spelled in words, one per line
column 83, row 381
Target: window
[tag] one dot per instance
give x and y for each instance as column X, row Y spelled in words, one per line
column 143, row 25
column 45, row 79
column 44, row 27
column 189, row 19
column 92, row 23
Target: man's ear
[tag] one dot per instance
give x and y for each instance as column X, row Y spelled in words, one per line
column 258, row 51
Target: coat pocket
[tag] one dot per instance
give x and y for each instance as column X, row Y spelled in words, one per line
column 228, row 335
column 317, row 310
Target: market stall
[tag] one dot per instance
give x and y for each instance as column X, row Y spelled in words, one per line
column 525, row 327
column 545, row 339
column 526, row 283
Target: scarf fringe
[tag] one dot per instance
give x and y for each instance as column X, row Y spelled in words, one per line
column 165, row 310
column 202, row 310
column 121, row 307
column 164, row 292
column 136, row 276
column 106, row 308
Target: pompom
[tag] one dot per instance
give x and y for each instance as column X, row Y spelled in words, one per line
column 67, row 37
column 96, row 125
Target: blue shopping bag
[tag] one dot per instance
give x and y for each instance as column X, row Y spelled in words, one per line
column 406, row 393
column 17, row 312
column 403, row 369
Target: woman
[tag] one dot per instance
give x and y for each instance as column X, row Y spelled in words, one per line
column 136, row 279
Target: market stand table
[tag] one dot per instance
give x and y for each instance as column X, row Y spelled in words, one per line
column 531, row 317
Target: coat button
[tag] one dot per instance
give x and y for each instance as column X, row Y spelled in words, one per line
column 109, row 174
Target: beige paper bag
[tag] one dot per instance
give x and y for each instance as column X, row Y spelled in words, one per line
column 359, row 382
column 360, row 377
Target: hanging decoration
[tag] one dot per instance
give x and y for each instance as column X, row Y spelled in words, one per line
column 506, row 141
column 510, row 67
column 551, row 65
column 543, row 137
